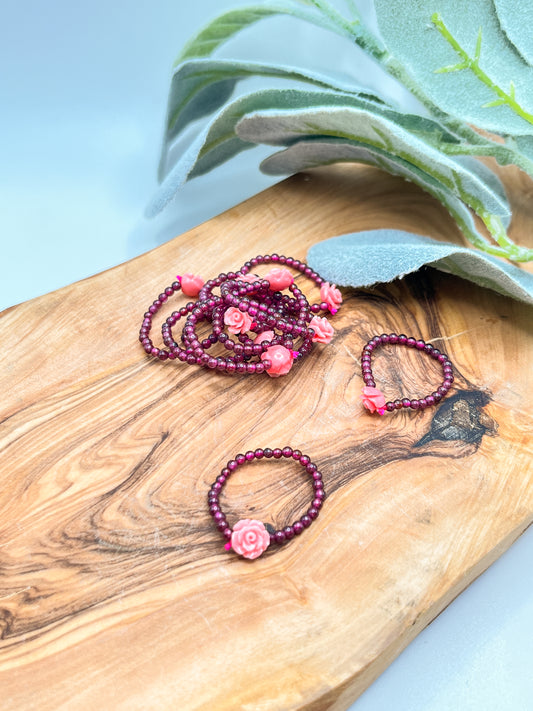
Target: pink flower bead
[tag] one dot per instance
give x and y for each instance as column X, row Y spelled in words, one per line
column 324, row 331
column 264, row 336
column 279, row 278
column 237, row 321
column 331, row 295
column 373, row 399
column 281, row 359
column 191, row 284
column 250, row 278
column 249, row 538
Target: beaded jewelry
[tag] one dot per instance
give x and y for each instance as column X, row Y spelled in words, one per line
column 249, row 537
column 271, row 328
column 373, row 398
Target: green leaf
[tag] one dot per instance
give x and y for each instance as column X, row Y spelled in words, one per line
column 430, row 36
column 199, row 87
column 361, row 259
column 307, row 154
column 517, row 23
column 218, row 142
column 228, row 24
column 379, row 133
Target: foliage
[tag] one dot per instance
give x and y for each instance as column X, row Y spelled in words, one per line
column 467, row 65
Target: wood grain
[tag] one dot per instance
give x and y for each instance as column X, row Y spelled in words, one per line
column 115, row 589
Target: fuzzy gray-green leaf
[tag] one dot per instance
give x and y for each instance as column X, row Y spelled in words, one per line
column 306, row 154
column 378, row 256
column 218, row 142
column 517, row 23
column 429, row 35
column 228, row 24
column 376, row 132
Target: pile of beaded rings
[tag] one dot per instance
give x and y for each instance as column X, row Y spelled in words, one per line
column 270, row 328
column 249, row 537
column 373, row 398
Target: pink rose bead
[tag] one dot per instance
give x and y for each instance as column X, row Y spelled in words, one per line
column 191, row 284
column 279, row 278
column 281, row 359
column 264, row 336
column 249, row 538
column 331, row 295
column 250, row 278
column 324, row 331
column 237, row 321
column 373, row 399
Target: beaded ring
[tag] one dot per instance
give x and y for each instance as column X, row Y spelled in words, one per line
column 272, row 329
column 373, row 398
column 249, row 537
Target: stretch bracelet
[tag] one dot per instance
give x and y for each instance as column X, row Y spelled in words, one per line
column 374, row 400
column 270, row 327
column 249, row 537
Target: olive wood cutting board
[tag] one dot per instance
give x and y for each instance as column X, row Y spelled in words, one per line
column 115, row 588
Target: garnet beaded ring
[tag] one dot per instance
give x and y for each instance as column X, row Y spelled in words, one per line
column 373, row 398
column 273, row 329
column 249, row 537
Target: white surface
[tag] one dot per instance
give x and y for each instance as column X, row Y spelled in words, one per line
column 83, row 93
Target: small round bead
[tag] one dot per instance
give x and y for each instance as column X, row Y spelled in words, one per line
column 287, row 451
column 268, row 452
column 410, row 342
column 406, row 402
column 312, row 512
column 420, row 345
column 306, row 520
column 415, row 404
column 297, row 527
column 279, row 537
column 259, row 453
column 289, row 532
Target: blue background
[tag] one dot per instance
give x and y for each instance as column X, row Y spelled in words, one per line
column 83, row 92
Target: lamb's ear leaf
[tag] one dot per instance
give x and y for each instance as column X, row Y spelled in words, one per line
column 361, row 259
column 218, row 141
column 383, row 136
column 517, row 23
column 200, row 87
column 307, row 154
column 481, row 78
column 225, row 26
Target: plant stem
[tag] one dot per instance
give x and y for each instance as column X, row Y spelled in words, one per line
column 472, row 63
column 513, row 251
column 502, row 153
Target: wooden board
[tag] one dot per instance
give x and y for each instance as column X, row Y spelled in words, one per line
column 115, row 589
